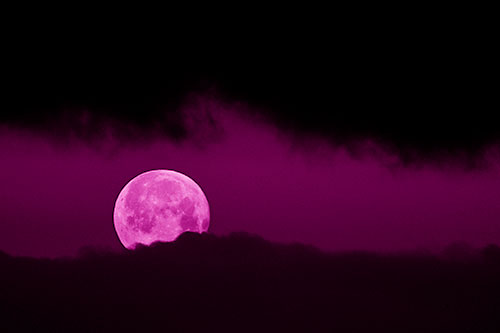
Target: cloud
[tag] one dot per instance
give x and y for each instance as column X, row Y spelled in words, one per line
column 256, row 178
column 241, row 282
column 421, row 107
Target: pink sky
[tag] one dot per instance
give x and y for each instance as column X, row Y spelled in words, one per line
column 56, row 198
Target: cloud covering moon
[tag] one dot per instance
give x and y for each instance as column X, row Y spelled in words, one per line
column 159, row 205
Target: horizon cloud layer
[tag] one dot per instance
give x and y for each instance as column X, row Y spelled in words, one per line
column 258, row 178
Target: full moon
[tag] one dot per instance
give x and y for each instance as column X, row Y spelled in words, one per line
column 159, row 205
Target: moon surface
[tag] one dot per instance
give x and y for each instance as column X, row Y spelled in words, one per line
column 159, row 205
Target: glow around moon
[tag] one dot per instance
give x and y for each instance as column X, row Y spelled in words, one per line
column 159, row 205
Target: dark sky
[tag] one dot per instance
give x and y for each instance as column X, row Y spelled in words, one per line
column 420, row 87
column 352, row 137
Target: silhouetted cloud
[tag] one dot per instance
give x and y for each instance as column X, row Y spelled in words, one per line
column 242, row 283
column 416, row 95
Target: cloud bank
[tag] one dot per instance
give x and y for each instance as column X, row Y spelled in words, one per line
column 257, row 178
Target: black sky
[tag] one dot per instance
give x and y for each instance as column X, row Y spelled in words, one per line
column 423, row 87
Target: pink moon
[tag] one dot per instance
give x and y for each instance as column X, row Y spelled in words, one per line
column 159, row 205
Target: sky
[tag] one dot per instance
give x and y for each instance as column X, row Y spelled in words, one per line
column 58, row 195
column 367, row 138
column 346, row 135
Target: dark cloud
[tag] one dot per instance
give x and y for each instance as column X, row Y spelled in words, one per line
column 242, row 283
column 422, row 91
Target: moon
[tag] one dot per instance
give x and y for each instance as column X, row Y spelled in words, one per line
column 159, row 205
